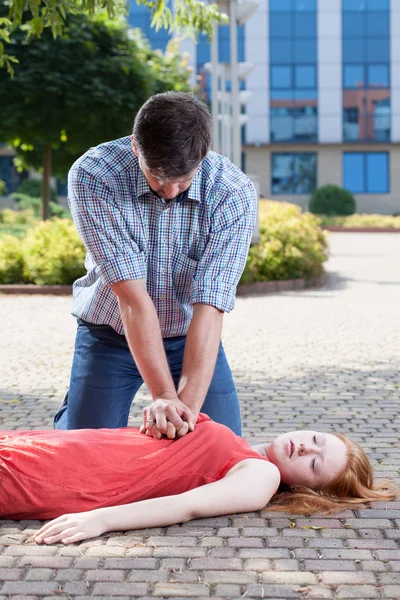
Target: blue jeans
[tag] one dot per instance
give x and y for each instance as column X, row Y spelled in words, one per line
column 105, row 379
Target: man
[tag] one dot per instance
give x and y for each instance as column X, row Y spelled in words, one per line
column 167, row 226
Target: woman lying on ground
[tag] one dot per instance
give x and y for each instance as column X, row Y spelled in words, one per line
column 119, row 479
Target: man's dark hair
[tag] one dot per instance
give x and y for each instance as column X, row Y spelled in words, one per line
column 173, row 134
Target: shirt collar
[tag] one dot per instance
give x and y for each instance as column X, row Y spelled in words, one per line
column 193, row 192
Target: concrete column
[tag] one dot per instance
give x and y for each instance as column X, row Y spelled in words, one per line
column 395, row 68
column 330, row 92
column 257, row 52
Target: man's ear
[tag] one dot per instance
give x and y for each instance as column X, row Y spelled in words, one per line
column 134, row 147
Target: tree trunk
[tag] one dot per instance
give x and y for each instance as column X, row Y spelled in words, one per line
column 47, row 155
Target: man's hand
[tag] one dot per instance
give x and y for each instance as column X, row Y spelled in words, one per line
column 169, row 417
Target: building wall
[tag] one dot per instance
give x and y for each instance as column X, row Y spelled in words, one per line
column 329, row 171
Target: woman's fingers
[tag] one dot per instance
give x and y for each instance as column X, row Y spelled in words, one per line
column 58, row 534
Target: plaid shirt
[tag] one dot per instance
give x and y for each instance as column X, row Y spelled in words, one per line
column 192, row 249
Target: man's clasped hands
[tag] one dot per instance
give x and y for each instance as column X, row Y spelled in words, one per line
column 168, row 417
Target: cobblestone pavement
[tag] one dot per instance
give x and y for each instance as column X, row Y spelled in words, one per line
column 326, row 358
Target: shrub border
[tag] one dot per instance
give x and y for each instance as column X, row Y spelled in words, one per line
column 251, row 289
column 341, row 229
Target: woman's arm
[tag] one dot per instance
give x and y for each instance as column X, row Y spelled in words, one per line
column 247, row 487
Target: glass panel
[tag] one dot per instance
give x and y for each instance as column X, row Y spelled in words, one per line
column 282, row 173
column 353, row 76
column 281, row 77
column 381, row 120
column 351, row 126
column 281, row 51
column 353, row 172
column 378, row 5
column 377, row 172
column 378, row 50
column 305, row 173
column 203, row 50
column 378, row 24
column 224, row 51
column 280, row 5
column 281, row 25
column 305, row 51
column 305, row 25
column 305, row 77
column 350, row 5
column 353, row 24
column 354, row 50
column 281, row 122
column 305, row 124
column 378, row 76
column 281, row 98
column 305, row 5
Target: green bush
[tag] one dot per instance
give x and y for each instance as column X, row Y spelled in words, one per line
column 25, row 202
column 3, row 187
column 33, row 187
column 332, row 200
column 292, row 245
column 362, row 220
column 53, row 253
column 11, row 260
column 17, row 217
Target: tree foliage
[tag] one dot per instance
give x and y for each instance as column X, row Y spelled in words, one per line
column 35, row 16
column 75, row 91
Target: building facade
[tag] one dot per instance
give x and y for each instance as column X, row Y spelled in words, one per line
column 325, row 96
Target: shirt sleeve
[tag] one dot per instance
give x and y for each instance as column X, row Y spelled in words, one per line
column 224, row 259
column 102, row 229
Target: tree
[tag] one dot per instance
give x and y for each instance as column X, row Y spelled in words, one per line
column 75, row 91
column 34, row 16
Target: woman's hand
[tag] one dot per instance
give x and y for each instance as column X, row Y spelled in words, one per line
column 72, row 528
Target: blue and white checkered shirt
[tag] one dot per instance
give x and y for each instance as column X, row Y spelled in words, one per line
column 192, row 249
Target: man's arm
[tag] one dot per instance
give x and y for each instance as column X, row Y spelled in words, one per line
column 142, row 330
column 247, row 487
column 201, row 349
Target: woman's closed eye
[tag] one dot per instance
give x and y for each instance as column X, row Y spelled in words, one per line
column 313, row 464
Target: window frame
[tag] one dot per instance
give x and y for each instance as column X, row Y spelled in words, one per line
column 365, row 156
column 294, row 155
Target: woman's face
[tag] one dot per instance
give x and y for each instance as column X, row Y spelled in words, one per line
column 308, row 458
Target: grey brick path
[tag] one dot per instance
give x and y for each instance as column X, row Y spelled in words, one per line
column 326, row 358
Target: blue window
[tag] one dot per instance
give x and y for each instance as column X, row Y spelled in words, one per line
column 305, row 5
column 353, row 25
column 305, row 51
column 354, row 50
column 281, row 77
column 281, row 51
column 140, row 17
column 354, row 76
column 305, row 25
column 293, row 173
column 378, row 24
column 280, row 5
column 305, row 77
column 281, row 25
column 378, row 76
column 378, row 50
column 366, row 172
column 363, row 5
column 9, row 174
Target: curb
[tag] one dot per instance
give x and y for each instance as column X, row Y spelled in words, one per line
column 272, row 287
column 361, row 229
column 30, row 288
column 250, row 289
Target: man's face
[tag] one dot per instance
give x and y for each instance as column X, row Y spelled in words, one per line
column 168, row 189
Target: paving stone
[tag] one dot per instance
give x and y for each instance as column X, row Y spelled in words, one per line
column 357, row 591
column 325, row 359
